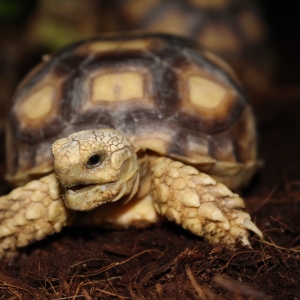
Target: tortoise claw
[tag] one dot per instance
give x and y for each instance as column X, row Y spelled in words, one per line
column 251, row 226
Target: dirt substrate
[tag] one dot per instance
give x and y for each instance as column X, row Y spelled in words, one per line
column 166, row 262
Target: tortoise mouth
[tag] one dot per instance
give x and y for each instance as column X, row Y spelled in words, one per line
column 78, row 187
column 85, row 197
column 81, row 187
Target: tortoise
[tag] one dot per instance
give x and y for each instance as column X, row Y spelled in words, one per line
column 142, row 127
column 234, row 29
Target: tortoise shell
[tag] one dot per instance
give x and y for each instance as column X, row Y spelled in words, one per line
column 234, row 29
column 156, row 89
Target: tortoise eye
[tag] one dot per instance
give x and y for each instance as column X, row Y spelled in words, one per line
column 94, row 161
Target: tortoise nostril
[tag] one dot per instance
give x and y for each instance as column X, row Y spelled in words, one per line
column 94, row 161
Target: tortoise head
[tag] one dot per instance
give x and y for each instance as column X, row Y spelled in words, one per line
column 94, row 167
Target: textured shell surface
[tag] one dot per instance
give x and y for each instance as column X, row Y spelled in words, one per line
column 158, row 90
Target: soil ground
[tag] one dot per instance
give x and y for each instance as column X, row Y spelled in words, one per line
column 166, row 262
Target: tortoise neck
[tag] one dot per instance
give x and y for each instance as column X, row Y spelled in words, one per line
column 145, row 161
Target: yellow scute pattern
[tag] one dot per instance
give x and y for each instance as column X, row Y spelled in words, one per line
column 105, row 46
column 205, row 93
column 114, row 87
column 38, row 104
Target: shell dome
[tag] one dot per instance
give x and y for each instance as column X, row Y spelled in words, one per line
column 158, row 90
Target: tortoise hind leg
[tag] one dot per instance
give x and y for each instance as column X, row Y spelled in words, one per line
column 199, row 204
column 30, row 213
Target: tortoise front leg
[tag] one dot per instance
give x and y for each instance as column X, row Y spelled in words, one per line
column 30, row 213
column 198, row 203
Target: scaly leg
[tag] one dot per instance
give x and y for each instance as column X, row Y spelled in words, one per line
column 200, row 204
column 30, row 213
